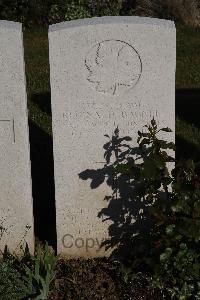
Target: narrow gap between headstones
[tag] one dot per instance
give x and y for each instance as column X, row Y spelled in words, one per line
column 41, row 154
column 41, row 142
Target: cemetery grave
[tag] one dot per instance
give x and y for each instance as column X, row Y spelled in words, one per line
column 16, row 212
column 95, row 68
column 103, row 76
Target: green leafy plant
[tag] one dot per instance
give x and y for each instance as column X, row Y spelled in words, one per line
column 178, row 271
column 41, row 275
column 175, row 233
column 28, row 277
column 177, row 275
column 68, row 10
column 157, row 212
column 76, row 10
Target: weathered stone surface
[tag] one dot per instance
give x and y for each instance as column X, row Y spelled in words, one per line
column 105, row 72
column 16, row 216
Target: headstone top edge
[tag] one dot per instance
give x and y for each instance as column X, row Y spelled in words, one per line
column 112, row 20
column 10, row 25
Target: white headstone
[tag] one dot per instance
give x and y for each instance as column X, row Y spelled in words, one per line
column 16, row 215
column 104, row 72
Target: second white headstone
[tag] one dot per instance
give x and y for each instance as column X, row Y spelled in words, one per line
column 16, row 209
column 105, row 72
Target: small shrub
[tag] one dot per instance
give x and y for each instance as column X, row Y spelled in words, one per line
column 178, row 270
column 157, row 218
column 68, row 10
column 173, row 242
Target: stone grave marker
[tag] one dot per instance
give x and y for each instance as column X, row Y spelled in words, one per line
column 104, row 72
column 16, row 215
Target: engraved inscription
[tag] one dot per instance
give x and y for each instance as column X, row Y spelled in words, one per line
column 114, row 67
column 12, row 123
column 91, row 115
column 88, row 217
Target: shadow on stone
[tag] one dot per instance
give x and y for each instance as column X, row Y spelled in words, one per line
column 125, row 203
column 41, row 152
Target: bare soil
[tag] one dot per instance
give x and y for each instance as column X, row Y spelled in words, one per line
column 97, row 279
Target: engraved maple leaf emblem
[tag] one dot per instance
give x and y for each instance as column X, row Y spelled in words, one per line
column 114, row 66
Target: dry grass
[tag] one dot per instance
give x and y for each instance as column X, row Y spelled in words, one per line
column 186, row 12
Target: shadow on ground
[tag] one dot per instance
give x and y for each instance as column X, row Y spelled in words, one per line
column 41, row 152
column 188, row 105
column 43, row 100
column 188, row 110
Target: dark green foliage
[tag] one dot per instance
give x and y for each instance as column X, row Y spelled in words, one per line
column 178, row 236
column 52, row 11
column 16, row 10
column 25, row 11
column 13, row 283
column 106, row 7
column 68, row 10
column 175, row 233
column 29, row 277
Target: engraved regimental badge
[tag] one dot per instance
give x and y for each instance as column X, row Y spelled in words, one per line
column 114, row 67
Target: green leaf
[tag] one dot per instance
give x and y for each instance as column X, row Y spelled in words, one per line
column 170, row 229
column 166, row 255
column 122, row 168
